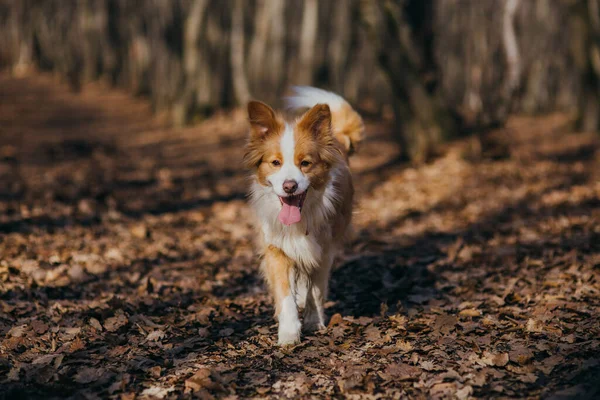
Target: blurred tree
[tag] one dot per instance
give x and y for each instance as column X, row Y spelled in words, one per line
column 402, row 35
column 586, row 49
column 446, row 66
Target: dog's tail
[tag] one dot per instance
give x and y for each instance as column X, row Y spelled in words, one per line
column 347, row 124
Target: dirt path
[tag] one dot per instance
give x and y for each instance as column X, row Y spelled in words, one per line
column 126, row 263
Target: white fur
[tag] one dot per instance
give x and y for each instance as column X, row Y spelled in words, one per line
column 289, row 323
column 311, row 243
column 289, row 170
column 319, row 206
column 299, row 284
column 306, row 96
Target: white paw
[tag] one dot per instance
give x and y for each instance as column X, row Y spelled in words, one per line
column 313, row 323
column 289, row 335
column 289, row 324
column 314, row 327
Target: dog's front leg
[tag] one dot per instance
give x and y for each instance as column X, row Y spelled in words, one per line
column 277, row 267
column 314, row 313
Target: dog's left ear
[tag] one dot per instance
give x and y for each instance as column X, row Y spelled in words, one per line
column 317, row 120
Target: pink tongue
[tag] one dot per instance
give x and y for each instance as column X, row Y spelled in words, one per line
column 289, row 214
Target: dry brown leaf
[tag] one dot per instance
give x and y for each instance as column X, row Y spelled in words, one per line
column 464, row 392
column 18, row 331
column 373, row 334
column 76, row 345
column 39, row 327
column 520, row 355
column 158, row 392
column 399, row 321
column 155, row 371
column 156, row 336
column 89, row 374
column 201, row 379
column 95, row 324
column 495, row 359
column 113, row 324
column 336, row 319
column 443, row 390
column 402, row 371
column 469, row 312
column 534, row 325
column 44, row 360
column 445, row 324
column 404, row 346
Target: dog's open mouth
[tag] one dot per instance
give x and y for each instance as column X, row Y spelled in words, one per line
column 291, row 207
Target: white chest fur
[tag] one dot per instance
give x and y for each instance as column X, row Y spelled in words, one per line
column 306, row 242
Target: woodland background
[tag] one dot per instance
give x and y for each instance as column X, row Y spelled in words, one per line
column 447, row 66
column 126, row 261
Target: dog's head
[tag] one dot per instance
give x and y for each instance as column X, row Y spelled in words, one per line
column 291, row 158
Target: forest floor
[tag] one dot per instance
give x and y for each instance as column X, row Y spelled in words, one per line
column 127, row 268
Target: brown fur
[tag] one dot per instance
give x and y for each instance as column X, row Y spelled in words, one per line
column 276, row 267
column 266, row 127
column 322, row 141
column 348, row 128
column 315, row 143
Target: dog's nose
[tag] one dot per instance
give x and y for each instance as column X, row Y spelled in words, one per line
column 290, row 186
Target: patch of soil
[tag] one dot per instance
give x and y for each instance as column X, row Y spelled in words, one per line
column 127, row 268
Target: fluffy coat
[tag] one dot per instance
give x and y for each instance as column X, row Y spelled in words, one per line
column 302, row 195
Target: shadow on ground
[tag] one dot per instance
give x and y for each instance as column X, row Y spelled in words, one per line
column 128, row 265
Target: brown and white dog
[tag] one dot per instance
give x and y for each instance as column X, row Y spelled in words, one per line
column 302, row 194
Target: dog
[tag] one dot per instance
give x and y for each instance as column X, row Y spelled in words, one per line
column 302, row 195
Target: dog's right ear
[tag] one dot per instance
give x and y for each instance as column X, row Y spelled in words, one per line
column 263, row 119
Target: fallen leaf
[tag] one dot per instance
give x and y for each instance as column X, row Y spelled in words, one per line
column 534, row 325
column 155, row 371
column 527, row 378
column 520, row 355
column 13, row 374
column 372, row 334
column 88, row 374
column 18, row 331
column 157, row 392
column 402, row 371
column 336, row 319
column 113, row 324
column 443, row 390
column 76, row 345
column 39, row 327
column 45, row 359
column 226, row 332
column 495, row 360
column 199, row 380
column 469, row 312
column 95, row 324
column 427, row 365
column 464, row 392
column 445, row 324
column 404, row 345
column 155, row 336
column 399, row 321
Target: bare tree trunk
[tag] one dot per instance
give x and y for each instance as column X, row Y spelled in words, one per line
column 308, row 38
column 423, row 119
column 339, row 44
column 258, row 46
column 589, row 108
column 276, row 57
column 240, row 81
column 511, row 48
column 441, row 61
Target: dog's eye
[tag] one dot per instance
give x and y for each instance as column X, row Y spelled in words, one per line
column 305, row 163
column 276, row 163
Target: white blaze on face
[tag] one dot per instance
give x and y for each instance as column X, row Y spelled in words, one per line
column 288, row 170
